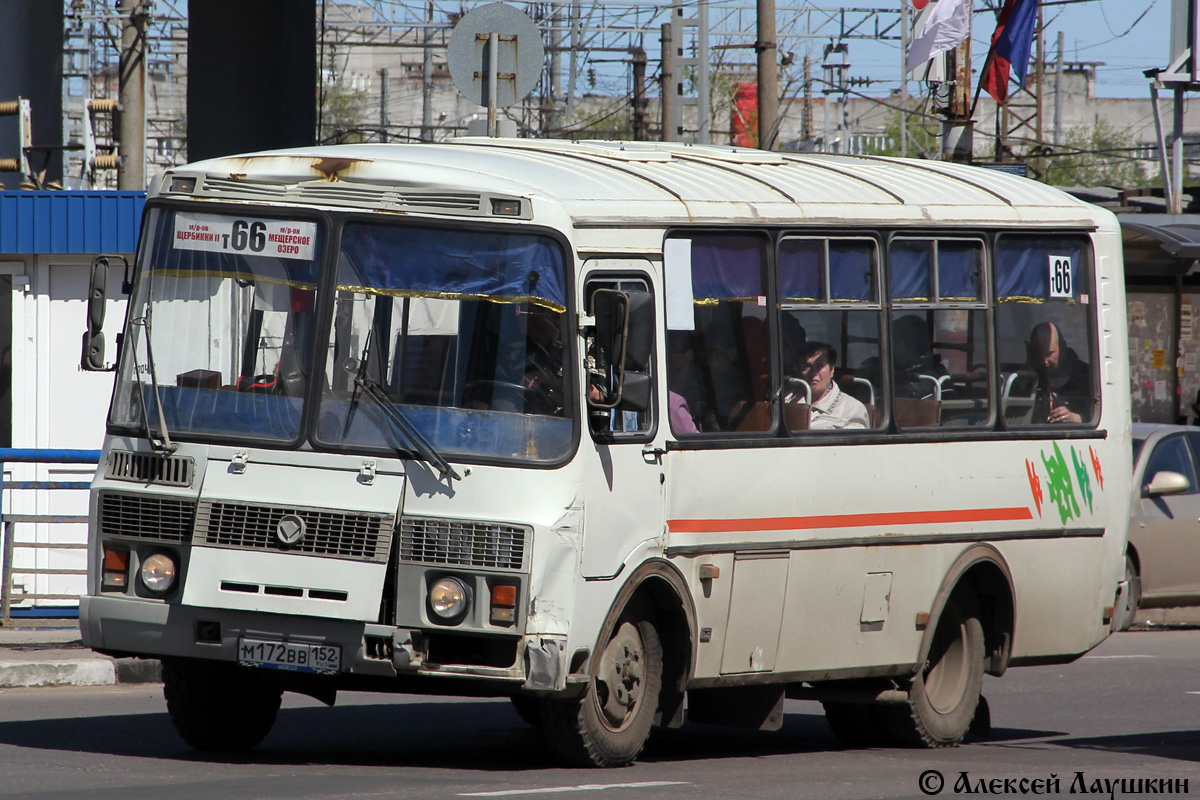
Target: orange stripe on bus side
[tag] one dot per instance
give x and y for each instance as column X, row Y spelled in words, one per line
column 847, row 520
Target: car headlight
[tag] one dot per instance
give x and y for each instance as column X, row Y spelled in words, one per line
column 448, row 598
column 158, row 573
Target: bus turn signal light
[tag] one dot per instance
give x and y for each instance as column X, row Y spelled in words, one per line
column 116, row 570
column 504, row 603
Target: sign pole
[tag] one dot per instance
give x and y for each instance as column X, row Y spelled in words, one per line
column 493, row 51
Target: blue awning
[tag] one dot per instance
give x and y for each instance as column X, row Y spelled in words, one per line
column 70, row 222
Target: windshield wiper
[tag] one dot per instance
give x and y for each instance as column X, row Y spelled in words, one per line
column 365, row 384
column 163, row 441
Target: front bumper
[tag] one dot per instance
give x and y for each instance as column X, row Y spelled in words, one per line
column 123, row 626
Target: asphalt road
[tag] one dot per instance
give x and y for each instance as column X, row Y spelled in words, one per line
column 1130, row 710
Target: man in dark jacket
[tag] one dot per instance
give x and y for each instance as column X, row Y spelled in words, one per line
column 1064, row 391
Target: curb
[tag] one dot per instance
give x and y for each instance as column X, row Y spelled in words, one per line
column 79, row 672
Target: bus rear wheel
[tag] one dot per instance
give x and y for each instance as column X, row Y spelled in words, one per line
column 609, row 725
column 944, row 694
column 219, row 707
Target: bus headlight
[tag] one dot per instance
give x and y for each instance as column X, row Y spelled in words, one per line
column 158, row 573
column 448, row 598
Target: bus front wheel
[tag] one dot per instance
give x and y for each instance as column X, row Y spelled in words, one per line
column 218, row 707
column 944, row 693
column 609, row 725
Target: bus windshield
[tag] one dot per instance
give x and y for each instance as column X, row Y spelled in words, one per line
column 460, row 333
column 220, row 327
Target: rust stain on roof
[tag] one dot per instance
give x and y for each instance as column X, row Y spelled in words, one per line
column 332, row 168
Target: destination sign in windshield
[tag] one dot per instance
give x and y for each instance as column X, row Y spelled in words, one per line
column 245, row 235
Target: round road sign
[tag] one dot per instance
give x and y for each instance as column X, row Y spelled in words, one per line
column 518, row 57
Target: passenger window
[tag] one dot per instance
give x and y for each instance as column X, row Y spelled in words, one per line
column 1171, row 455
column 829, row 333
column 1047, row 363
column 718, row 374
column 939, row 326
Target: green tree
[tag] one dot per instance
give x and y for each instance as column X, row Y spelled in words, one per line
column 344, row 113
column 1099, row 155
column 924, row 137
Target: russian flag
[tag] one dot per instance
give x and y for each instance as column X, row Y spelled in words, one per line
column 1010, row 47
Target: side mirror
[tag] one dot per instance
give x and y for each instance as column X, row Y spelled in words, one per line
column 625, row 338
column 92, row 358
column 1166, row 482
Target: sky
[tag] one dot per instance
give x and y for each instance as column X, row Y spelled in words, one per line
column 1127, row 36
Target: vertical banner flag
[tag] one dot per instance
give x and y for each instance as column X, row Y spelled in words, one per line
column 943, row 29
column 1010, row 47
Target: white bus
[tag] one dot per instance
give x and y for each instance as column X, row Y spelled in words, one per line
column 610, row 429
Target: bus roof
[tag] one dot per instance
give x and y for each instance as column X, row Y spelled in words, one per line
column 638, row 184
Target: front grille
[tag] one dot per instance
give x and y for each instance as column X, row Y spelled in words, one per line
column 328, row 532
column 366, row 196
column 458, row 202
column 244, row 188
column 462, row 542
column 145, row 516
column 150, row 468
column 343, row 194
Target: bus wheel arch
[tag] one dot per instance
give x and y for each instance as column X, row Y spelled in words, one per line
column 645, row 648
column 969, row 630
column 983, row 572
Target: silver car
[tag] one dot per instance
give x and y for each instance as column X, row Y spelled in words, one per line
column 1162, row 563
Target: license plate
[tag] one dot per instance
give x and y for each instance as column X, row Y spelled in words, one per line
column 320, row 658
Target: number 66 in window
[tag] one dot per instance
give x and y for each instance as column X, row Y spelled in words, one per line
column 1060, row 276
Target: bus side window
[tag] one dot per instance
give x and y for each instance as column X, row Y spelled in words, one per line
column 718, row 379
column 829, row 301
column 939, row 324
column 600, row 375
column 1044, row 323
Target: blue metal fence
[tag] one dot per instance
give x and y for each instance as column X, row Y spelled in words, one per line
column 37, row 456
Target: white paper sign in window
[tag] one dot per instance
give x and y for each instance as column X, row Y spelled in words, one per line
column 1060, row 276
column 245, row 236
column 680, row 300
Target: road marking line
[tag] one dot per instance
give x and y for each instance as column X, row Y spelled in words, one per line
column 583, row 787
column 1120, row 656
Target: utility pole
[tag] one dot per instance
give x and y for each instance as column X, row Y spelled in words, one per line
column 427, row 77
column 806, row 114
column 1058, row 92
column 131, row 116
column 551, row 104
column 767, row 49
column 698, row 62
column 384, row 122
column 834, row 73
column 667, row 92
column 904, row 37
column 640, row 103
column 958, row 128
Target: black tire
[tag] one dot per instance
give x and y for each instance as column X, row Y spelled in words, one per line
column 855, row 725
column 1133, row 596
column 609, row 725
column 529, row 709
column 943, row 695
column 219, row 707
